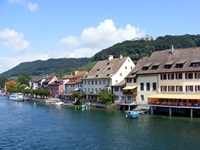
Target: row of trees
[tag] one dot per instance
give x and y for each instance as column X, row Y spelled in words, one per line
column 104, row 96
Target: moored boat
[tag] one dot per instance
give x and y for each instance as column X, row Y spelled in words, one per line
column 132, row 113
column 58, row 103
column 16, row 97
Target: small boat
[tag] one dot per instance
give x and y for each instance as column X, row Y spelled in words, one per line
column 16, row 97
column 58, row 103
column 84, row 106
column 132, row 113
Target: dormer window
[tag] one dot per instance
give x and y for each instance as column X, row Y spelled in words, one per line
column 179, row 65
column 108, row 63
column 195, row 64
column 97, row 75
column 145, row 68
column 155, row 67
column 108, row 75
column 168, row 66
column 109, row 68
column 98, row 69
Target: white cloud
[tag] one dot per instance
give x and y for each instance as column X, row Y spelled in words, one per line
column 32, row 6
column 69, row 41
column 106, row 34
column 94, row 39
column 11, row 38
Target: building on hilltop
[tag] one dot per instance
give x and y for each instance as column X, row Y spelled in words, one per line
column 106, row 74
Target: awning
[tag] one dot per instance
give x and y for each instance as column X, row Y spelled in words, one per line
column 176, row 96
column 129, row 87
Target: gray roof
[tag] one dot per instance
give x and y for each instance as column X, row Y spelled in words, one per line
column 184, row 56
column 105, row 68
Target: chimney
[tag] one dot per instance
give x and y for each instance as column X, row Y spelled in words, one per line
column 110, row 57
column 172, row 49
column 120, row 57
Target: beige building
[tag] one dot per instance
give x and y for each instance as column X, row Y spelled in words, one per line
column 166, row 77
column 106, row 74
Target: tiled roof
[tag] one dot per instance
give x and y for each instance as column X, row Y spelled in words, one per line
column 167, row 60
column 36, row 78
column 105, row 68
column 137, row 67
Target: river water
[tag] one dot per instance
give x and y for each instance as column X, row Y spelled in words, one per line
column 36, row 126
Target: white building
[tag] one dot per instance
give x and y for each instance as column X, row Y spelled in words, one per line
column 106, row 74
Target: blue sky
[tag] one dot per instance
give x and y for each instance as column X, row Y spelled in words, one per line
column 42, row 29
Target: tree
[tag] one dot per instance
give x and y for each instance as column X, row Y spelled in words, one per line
column 24, row 78
column 10, row 85
column 79, row 97
column 107, row 97
column 3, row 80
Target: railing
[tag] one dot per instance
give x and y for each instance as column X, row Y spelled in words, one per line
column 175, row 104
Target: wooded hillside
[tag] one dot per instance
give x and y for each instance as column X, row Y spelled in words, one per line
column 138, row 49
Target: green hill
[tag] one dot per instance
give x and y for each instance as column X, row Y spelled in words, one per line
column 50, row 66
column 140, row 48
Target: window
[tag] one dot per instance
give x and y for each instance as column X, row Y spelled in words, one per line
column 120, row 74
column 170, row 88
column 117, row 97
column 95, row 82
column 92, row 82
column 197, row 75
column 171, row 76
column 155, row 67
column 189, row 88
column 148, row 86
column 179, row 65
column 122, row 97
column 125, row 67
column 163, row 88
column 89, row 82
column 163, row 77
column 128, row 80
column 145, row 68
column 129, row 98
column 99, row 82
column 189, row 75
column 154, row 86
column 142, row 86
column 116, row 89
column 179, row 76
column 134, row 80
column 168, row 66
column 195, row 64
column 104, row 82
column 197, row 88
column 142, row 97
column 179, row 88
column 116, row 81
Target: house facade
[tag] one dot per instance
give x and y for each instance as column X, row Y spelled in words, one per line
column 167, row 77
column 106, row 74
column 56, row 88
